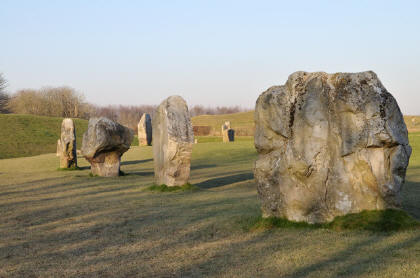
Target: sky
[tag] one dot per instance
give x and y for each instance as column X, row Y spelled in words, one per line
column 214, row 53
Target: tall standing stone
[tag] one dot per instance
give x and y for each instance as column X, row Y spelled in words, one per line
column 172, row 142
column 329, row 145
column 66, row 147
column 144, row 130
column 104, row 143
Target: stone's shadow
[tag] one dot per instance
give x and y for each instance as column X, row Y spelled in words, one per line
column 197, row 167
column 145, row 173
column 84, row 168
column 217, row 182
column 136, row 162
column 409, row 194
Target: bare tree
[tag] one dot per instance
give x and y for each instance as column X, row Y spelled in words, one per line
column 50, row 101
column 4, row 97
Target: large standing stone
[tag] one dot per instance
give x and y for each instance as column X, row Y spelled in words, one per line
column 66, row 147
column 144, row 130
column 172, row 142
column 329, row 144
column 104, row 143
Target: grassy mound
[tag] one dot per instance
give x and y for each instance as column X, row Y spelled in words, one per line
column 389, row 220
column 29, row 135
column 242, row 122
column 165, row 188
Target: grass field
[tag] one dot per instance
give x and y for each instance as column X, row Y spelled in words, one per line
column 67, row 224
column 29, row 135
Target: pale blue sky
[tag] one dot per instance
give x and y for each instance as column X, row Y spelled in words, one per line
column 210, row 52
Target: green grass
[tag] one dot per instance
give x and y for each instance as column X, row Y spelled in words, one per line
column 66, row 224
column 219, row 139
column 69, row 169
column 390, row 220
column 243, row 122
column 165, row 188
column 29, row 135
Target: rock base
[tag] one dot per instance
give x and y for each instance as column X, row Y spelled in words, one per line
column 106, row 165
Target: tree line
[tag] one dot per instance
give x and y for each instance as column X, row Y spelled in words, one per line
column 69, row 103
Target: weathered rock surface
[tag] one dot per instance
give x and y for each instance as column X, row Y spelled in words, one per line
column 145, row 130
column 66, row 147
column 225, row 132
column 329, row 144
column 58, row 152
column 104, row 143
column 172, row 142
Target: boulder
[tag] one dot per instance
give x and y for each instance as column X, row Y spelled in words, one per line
column 145, row 130
column 66, row 147
column 103, row 144
column 225, row 130
column 172, row 142
column 329, row 145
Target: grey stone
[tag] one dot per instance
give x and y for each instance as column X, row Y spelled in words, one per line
column 172, row 142
column 145, row 130
column 329, row 145
column 104, row 143
column 66, row 146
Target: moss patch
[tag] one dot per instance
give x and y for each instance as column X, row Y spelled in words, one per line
column 165, row 188
column 390, row 220
column 375, row 220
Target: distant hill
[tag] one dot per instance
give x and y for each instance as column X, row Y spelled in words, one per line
column 244, row 122
column 29, row 135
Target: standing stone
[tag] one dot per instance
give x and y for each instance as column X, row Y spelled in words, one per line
column 329, row 145
column 145, row 130
column 225, row 128
column 58, row 152
column 66, row 147
column 172, row 142
column 104, row 143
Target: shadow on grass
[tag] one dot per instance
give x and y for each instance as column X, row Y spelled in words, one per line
column 222, row 181
column 143, row 174
column 204, row 166
column 353, row 267
column 135, row 162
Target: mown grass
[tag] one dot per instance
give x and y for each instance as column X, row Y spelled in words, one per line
column 165, row 188
column 66, row 224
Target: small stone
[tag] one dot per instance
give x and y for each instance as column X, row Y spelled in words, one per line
column 225, row 128
column 172, row 142
column 66, row 146
column 145, row 130
column 104, row 143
